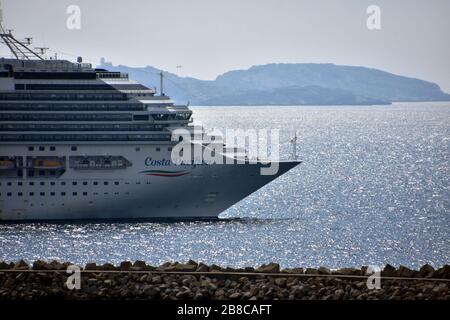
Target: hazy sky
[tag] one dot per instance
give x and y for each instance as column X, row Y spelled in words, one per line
column 209, row 37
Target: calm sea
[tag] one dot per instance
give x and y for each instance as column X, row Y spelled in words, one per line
column 373, row 189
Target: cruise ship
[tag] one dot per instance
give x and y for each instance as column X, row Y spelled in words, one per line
column 79, row 142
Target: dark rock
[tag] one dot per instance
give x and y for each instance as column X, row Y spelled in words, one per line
column 55, row 265
column 269, row 268
column 202, row 268
column 207, row 283
column 281, row 282
column 405, row 272
column 198, row 296
column 215, row 268
column 108, row 267
column 151, row 291
column 182, row 294
column 311, row 271
column 125, row 265
column 235, row 296
column 442, row 273
column 193, row 263
column 181, row 267
column 40, row 265
column 21, row 265
column 426, row 271
column 4, row 265
column 347, row 272
column 292, row 271
column 389, row 271
column 156, row 279
column 339, row 294
column 138, row 265
column 163, row 266
column 323, row 270
column 91, row 266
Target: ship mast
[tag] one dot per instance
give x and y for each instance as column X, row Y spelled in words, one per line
column 1, row 19
column 19, row 49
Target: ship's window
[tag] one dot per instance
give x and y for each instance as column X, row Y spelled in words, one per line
column 52, row 148
column 9, row 183
column 9, row 194
column 140, row 117
column 74, row 193
column 52, row 172
column 41, row 148
column 19, row 183
column 41, row 172
column 169, row 149
column 42, row 183
column 52, row 193
column 20, row 194
column 105, row 183
column 116, row 193
column 20, row 173
column 74, row 183
column 52, row 183
column 63, row 183
column 95, row 183
column 84, row 183
column 74, row 148
column 63, row 193
column 42, row 193
column 158, row 149
column 116, row 183
column 31, row 173
column 138, row 149
column 31, row 183
column 84, row 193
column 95, row 193
column 31, row 193
column 160, row 116
column 30, row 148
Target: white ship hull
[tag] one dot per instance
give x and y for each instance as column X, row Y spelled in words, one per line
column 151, row 187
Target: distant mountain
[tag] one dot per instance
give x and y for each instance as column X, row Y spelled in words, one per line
column 291, row 84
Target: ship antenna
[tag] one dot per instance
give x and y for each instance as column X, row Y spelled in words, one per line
column 17, row 48
column 294, row 146
column 161, row 79
column 42, row 50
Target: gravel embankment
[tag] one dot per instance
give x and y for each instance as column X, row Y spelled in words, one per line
column 138, row 280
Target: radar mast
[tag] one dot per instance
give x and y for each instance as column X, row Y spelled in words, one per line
column 19, row 49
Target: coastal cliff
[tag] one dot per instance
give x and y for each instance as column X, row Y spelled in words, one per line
column 290, row 84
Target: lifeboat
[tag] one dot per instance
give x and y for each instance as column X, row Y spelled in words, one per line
column 48, row 164
column 6, row 164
